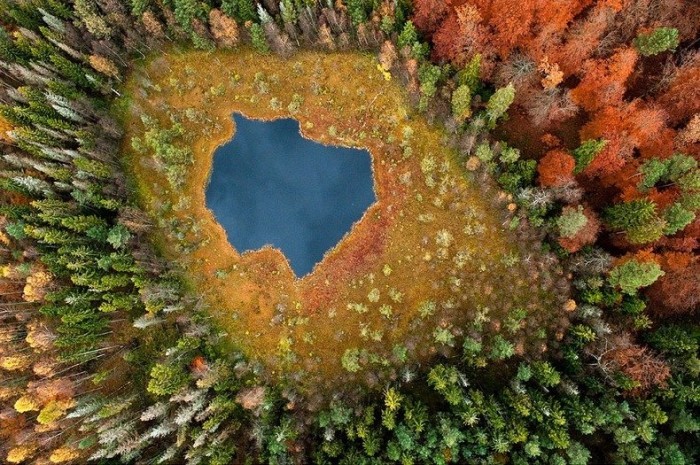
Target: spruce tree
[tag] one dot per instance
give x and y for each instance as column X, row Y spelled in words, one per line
column 633, row 275
column 661, row 39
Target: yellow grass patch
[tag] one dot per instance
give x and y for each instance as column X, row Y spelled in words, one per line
column 429, row 262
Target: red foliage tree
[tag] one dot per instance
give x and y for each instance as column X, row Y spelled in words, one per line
column 608, row 161
column 461, row 36
column 682, row 98
column 199, row 365
column 550, row 23
column 676, row 261
column 677, row 292
column 661, row 145
column 626, row 181
column 582, row 39
column 643, row 123
column 429, row 14
column 556, row 168
column 636, row 362
column 663, row 197
column 510, row 23
column 603, row 81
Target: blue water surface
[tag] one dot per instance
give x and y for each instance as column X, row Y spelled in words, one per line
column 269, row 185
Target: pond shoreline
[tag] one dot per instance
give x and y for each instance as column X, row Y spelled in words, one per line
column 432, row 237
column 253, row 223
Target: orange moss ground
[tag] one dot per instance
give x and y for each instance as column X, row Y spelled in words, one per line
column 429, row 262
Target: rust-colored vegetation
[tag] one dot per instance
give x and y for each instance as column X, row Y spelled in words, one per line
column 427, row 263
column 587, row 71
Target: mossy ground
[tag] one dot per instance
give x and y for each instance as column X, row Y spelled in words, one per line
column 430, row 263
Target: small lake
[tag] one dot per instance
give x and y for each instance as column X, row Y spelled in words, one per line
column 270, row 186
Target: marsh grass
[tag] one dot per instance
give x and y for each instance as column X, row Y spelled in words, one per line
column 429, row 264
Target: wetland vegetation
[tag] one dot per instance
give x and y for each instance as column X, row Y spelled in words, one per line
column 517, row 282
column 391, row 294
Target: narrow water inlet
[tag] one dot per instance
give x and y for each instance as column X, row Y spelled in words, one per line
column 270, row 186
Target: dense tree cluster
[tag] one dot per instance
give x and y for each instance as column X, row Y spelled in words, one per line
column 104, row 355
column 606, row 83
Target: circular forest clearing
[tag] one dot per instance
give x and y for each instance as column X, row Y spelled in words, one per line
column 519, row 281
column 424, row 267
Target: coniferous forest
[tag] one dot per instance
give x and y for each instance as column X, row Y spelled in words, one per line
column 525, row 290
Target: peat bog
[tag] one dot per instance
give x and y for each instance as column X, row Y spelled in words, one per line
column 406, row 282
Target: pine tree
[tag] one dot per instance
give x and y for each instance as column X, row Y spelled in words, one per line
column 469, row 75
column 408, row 36
column 571, row 221
column 461, row 102
column 676, row 218
column 242, row 10
column 586, row 152
column 89, row 14
column 166, row 379
column 627, row 215
column 139, row 7
column 633, row 275
column 257, row 35
column 118, row 236
column 358, row 11
column 500, row 101
column 428, row 75
column 652, row 172
column 186, row 11
column 661, row 39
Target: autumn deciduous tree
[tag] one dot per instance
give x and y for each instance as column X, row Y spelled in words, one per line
column 677, row 292
column 582, row 39
column 556, row 168
column 199, row 365
column 642, row 123
column 681, row 99
column 152, row 25
column 428, row 14
column 691, row 132
column 104, row 65
column 19, row 454
column 223, row 28
column 645, row 369
column 603, row 81
column 39, row 337
column 461, row 37
column 510, row 23
column 63, row 455
column 552, row 74
column 14, row 362
column 37, row 285
column 5, row 126
column 388, row 55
